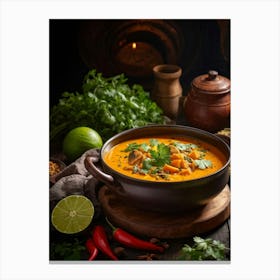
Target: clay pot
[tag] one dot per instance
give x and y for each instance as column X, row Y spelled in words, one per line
column 166, row 197
column 167, row 89
column 207, row 105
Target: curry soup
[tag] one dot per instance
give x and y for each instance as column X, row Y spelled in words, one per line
column 165, row 159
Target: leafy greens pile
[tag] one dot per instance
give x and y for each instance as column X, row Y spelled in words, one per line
column 108, row 105
column 67, row 250
column 203, row 249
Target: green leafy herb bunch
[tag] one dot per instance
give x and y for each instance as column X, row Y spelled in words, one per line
column 108, row 105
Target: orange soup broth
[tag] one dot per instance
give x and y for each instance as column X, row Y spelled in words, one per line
column 117, row 159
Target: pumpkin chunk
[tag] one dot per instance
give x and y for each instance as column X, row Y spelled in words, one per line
column 177, row 156
column 194, row 154
column 176, row 163
column 184, row 164
column 186, row 171
column 170, row 169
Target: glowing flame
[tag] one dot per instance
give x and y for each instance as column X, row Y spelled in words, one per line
column 134, row 45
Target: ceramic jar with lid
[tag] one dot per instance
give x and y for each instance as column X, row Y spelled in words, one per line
column 207, row 105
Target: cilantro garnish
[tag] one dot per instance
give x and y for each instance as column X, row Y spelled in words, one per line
column 145, row 147
column 184, row 147
column 203, row 163
column 132, row 147
column 147, row 164
column 154, row 142
column 160, row 156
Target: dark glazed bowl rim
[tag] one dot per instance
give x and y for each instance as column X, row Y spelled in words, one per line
column 166, row 126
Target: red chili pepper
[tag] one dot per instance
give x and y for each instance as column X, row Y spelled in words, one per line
column 101, row 242
column 131, row 241
column 93, row 251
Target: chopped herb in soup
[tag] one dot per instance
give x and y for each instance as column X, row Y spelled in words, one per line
column 165, row 159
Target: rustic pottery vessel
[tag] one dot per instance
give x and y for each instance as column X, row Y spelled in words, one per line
column 207, row 105
column 165, row 197
column 167, row 89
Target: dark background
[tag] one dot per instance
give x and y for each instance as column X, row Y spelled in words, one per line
column 205, row 46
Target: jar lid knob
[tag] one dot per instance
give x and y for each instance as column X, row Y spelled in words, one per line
column 212, row 74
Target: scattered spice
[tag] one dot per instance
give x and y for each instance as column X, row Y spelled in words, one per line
column 225, row 132
column 148, row 257
column 54, row 168
column 164, row 244
column 119, row 251
column 154, row 240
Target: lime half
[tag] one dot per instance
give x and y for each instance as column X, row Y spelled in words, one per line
column 72, row 214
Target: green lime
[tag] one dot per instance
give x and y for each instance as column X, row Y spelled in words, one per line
column 79, row 140
column 72, row 214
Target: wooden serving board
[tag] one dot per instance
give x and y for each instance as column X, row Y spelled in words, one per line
column 165, row 226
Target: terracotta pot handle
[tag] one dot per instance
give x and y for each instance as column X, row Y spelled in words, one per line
column 107, row 179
